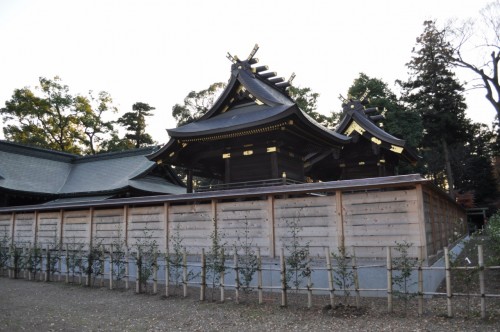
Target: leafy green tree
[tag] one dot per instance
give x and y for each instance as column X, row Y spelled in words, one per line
column 135, row 123
column 196, row 104
column 51, row 117
column 400, row 122
column 434, row 92
column 90, row 115
column 48, row 121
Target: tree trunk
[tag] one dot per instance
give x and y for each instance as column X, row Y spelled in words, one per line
column 449, row 173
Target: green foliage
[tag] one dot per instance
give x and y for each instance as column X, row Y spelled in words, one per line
column 400, row 122
column 74, row 259
column 175, row 259
column 34, row 260
column 434, row 92
column 146, row 251
column 92, row 263
column 51, row 117
column 119, row 248
column 4, row 251
column 91, row 111
column 135, row 124
column 403, row 265
column 247, row 260
column 297, row 259
column 196, row 104
column 216, row 259
column 343, row 273
column 492, row 231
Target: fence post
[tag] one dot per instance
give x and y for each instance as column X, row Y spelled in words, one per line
column 47, row 265
column 167, row 273
column 59, row 263
column 481, row 279
column 389, row 279
column 283, row 278
column 329, row 270
column 67, row 264
column 138, row 271
column 259, row 276
column 356, row 279
column 102, row 265
column 236, row 278
column 127, row 272
column 203, row 283
column 309, row 286
column 155, row 272
column 24, row 265
column 448, row 282
column 184, row 273
column 221, row 278
column 420, row 283
column 111, row 266
column 30, row 260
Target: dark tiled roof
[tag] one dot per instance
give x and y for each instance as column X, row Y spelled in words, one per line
column 29, row 169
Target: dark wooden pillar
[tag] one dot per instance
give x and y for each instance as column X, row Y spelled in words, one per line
column 227, row 170
column 274, row 166
column 189, row 181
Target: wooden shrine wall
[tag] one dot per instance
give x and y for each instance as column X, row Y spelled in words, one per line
column 366, row 220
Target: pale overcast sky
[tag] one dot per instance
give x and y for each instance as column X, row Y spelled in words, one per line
column 157, row 51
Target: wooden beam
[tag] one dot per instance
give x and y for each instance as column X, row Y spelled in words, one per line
column 125, row 222
column 339, row 208
column 35, row 229
column 421, row 219
column 12, row 226
column 60, row 228
column 166, row 221
column 270, row 225
column 91, row 221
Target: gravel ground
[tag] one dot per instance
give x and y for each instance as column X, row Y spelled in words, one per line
column 54, row 306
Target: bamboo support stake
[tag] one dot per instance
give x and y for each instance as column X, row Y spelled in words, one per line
column 448, row 282
column 111, row 266
column 221, row 279
column 236, row 278
column 138, row 272
column 481, row 279
column 389, row 280
column 283, row 278
column 80, row 266
column 30, row 269
column 184, row 274
column 59, row 263
column 127, row 273
column 259, row 276
column 309, row 288
column 203, row 283
column 167, row 273
column 420, row 283
column 67, row 264
column 102, row 265
column 47, row 265
column 329, row 270
column 24, row 268
column 356, row 278
column 155, row 273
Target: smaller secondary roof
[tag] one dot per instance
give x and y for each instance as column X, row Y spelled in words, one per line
column 358, row 120
column 41, row 171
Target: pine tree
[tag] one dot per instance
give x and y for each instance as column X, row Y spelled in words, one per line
column 135, row 123
column 434, row 92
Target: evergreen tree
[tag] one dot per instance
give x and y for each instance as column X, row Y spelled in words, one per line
column 434, row 92
column 398, row 121
column 135, row 123
column 196, row 104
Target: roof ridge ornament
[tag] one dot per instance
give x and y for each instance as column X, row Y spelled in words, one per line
column 364, row 95
column 254, row 50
